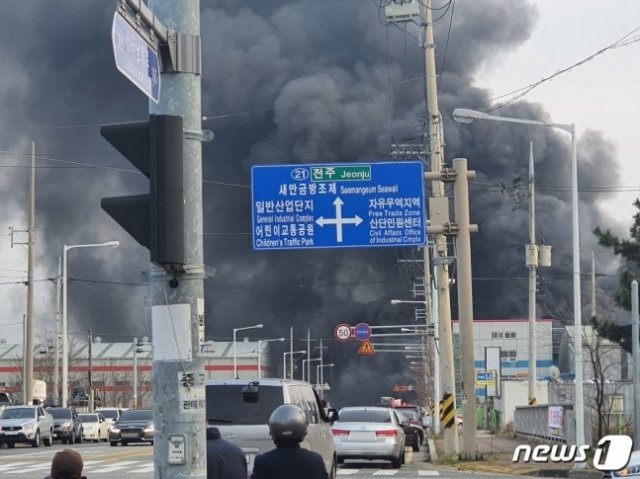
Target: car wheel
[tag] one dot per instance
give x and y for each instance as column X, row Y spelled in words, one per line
column 403, row 456
column 334, row 470
column 11, row 445
column 416, row 444
column 124, row 443
column 78, row 438
column 396, row 462
column 340, row 460
column 113, row 443
column 47, row 441
column 36, row 440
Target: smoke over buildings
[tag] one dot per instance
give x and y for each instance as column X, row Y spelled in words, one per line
column 287, row 81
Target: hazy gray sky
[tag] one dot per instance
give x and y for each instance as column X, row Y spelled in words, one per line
column 602, row 94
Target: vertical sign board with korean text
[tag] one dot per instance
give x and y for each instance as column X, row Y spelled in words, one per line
column 342, row 205
column 135, row 58
column 555, row 420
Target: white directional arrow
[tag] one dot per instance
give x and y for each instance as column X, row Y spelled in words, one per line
column 339, row 220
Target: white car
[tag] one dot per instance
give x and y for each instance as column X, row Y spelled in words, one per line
column 31, row 424
column 111, row 414
column 94, row 427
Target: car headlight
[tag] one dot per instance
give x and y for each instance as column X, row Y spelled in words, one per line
column 29, row 426
column 115, row 429
column 65, row 425
column 149, row 428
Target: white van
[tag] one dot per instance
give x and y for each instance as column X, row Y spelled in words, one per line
column 240, row 409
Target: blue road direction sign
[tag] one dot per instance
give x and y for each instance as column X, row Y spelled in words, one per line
column 340, row 205
column 485, row 378
column 135, row 58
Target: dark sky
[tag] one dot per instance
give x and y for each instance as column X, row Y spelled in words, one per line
column 286, row 81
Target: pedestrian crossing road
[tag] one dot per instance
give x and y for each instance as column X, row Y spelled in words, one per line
column 97, row 467
column 406, row 473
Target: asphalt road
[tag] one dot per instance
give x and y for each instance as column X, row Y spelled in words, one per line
column 136, row 462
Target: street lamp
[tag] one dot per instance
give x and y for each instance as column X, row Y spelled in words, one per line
column 284, row 362
column 320, row 377
column 138, row 347
column 430, row 330
column 463, row 115
column 309, row 360
column 260, row 341
column 65, row 352
column 235, row 358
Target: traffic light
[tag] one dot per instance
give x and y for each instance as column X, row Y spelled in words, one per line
column 155, row 220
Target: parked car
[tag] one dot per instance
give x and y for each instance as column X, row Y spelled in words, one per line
column 111, row 414
column 31, row 424
column 134, row 425
column 413, row 430
column 66, row 425
column 94, row 427
column 365, row 432
column 240, row 409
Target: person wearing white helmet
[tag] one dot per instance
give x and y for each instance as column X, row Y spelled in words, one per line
column 288, row 427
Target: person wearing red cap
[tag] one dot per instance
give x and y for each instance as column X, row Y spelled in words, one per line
column 66, row 464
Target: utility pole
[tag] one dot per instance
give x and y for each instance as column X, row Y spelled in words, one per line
column 399, row 12
column 179, row 394
column 284, row 376
column 308, row 356
column 56, row 360
column 593, row 284
column 135, row 372
column 465, row 307
column 532, row 263
column 90, row 373
column 438, row 214
column 436, row 362
column 28, row 379
column 635, row 352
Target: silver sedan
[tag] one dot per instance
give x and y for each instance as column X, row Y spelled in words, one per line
column 369, row 433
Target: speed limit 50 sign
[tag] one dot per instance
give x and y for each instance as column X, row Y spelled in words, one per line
column 343, row 332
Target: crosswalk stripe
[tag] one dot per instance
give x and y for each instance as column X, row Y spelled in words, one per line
column 32, row 468
column 12, row 465
column 428, row 473
column 347, row 472
column 114, row 467
column 143, row 469
column 385, row 473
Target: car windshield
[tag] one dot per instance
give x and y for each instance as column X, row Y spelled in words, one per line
column 137, row 415
column 225, row 404
column 88, row 418
column 18, row 413
column 364, row 415
column 409, row 413
column 60, row 413
column 109, row 413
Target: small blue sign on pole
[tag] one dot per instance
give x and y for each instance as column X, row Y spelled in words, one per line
column 135, row 58
column 338, row 205
column 362, row 331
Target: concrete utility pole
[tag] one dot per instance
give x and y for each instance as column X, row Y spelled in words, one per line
column 28, row 358
column 465, row 307
column 439, row 216
column 635, row 352
column 92, row 396
column 532, row 263
column 56, row 360
column 178, row 378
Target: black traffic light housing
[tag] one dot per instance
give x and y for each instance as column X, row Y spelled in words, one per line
column 155, row 220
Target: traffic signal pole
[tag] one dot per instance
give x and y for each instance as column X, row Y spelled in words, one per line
column 178, row 296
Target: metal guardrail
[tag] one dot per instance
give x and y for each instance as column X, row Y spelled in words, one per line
column 532, row 423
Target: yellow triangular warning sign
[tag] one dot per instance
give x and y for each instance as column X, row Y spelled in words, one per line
column 366, row 348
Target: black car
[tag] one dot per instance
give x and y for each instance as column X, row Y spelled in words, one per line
column 66, row 425
column 134, row 425
column 414, row 432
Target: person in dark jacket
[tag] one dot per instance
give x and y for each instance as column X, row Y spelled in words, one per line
column 288, row 427
column 66, row 464
column 225, row 460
